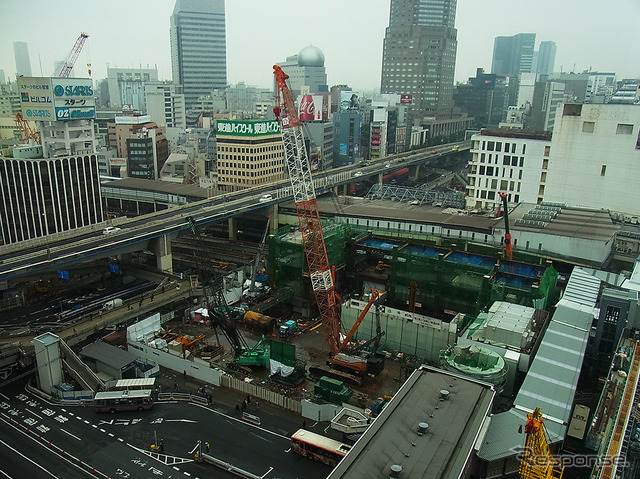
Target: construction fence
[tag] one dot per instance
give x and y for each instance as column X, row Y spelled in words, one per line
column 257, row 391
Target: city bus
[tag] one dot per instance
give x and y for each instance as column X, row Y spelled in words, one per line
column 317, row 447
column 115, row 401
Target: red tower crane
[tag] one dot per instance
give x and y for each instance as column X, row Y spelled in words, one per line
column 304, row 195
column 507, row 233
column 65, row 71
column 26, row 132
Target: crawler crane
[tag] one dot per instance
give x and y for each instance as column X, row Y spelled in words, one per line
column 313, row 244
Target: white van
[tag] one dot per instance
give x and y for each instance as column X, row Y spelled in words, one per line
column 110, row 229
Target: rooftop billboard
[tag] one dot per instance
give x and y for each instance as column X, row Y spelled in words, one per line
column 56, row 99
column 248, row 128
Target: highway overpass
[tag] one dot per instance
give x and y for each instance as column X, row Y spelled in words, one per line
column 152, row 232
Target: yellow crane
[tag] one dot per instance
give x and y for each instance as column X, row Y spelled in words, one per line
column 536, row 461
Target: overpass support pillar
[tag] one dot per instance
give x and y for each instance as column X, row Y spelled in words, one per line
column 273, row 225
column 161, row 248
column 380, row 178
column 345, row 189
column 233, row 232
column 414, row 172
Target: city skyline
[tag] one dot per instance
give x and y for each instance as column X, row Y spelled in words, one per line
column 260, row 34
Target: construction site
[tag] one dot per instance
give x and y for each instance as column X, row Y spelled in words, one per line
column 338, row 321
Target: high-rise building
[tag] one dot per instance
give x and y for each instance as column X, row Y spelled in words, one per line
column 126, row 86
column 250, row 153
column 23, row 62
column 484, row 97
column 198, row 47
column 419, row 56
column 513, row 55
column 545, row 58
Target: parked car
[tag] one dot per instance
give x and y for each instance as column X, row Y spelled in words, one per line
column 110, row 229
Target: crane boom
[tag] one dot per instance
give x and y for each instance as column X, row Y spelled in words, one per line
column 304, row 195
column 65, row 71
column 507, row 233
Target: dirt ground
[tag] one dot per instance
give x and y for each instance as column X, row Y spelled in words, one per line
column 310, row 348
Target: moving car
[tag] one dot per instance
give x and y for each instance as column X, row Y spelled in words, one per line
column 265, row 198
column 358, row 173
column 110, row 229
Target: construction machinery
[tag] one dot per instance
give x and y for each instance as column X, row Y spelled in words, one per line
column 350, row 363
column 65, row 71
column 507, row 233
column 256, row 291
column 536, row 462
column 26, row 132
column 222, row 316
column 312, row 236
column 304, row 195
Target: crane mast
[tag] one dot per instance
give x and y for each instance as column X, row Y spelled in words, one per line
column 304, row 195
column 73, row 56
column 507, row 233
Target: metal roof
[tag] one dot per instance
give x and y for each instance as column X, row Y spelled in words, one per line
column 454, row 425
column 110, row 355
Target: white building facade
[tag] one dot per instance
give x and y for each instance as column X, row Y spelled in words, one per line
column 165, row 104
column 507, row 161
column 594, row 157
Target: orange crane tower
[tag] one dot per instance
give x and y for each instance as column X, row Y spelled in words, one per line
column 304, row 195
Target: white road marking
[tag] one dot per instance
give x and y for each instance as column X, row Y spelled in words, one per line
column 31, row 412
column 67, row 432
column 26, row 458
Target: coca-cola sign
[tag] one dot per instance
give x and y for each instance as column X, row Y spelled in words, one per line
column 307, row 108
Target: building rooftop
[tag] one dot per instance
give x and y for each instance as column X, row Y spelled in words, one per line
column 443, row 450
column 105, row 353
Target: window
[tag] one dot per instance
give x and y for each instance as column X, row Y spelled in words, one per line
column 547, row 150
column 624, row 129
column 506, row 160
column 588, row 126
column 603, row 170
column 491, row 145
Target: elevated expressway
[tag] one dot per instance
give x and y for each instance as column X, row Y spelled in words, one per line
column 152, row 232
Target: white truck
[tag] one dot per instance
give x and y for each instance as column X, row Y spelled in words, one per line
column 114, row 303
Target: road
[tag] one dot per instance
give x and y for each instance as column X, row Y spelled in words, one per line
column 52, row 441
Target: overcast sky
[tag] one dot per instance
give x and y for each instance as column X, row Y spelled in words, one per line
column 133, row 33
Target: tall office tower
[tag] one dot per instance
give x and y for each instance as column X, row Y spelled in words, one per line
column 198, row 47
column 127, row 86
column 513, row 55
column 23, row 62
column 419, row 56
column 545, row 58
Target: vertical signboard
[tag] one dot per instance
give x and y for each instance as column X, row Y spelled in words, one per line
column 36, row 98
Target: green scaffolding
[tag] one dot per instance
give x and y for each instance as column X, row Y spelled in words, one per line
column 449, row 280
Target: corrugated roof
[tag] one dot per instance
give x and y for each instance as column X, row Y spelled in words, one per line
column 582, row 287
column 110, row 355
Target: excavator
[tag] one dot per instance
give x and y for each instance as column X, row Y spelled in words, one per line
column 350, row 363
column 221, row 316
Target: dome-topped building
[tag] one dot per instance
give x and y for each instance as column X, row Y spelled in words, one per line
column 306, row 71
column 311, row 57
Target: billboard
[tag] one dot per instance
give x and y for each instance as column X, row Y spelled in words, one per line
column 56, row 99
column 406, row 99
column 248, row 128
column 313, row 108
column 349, row 100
